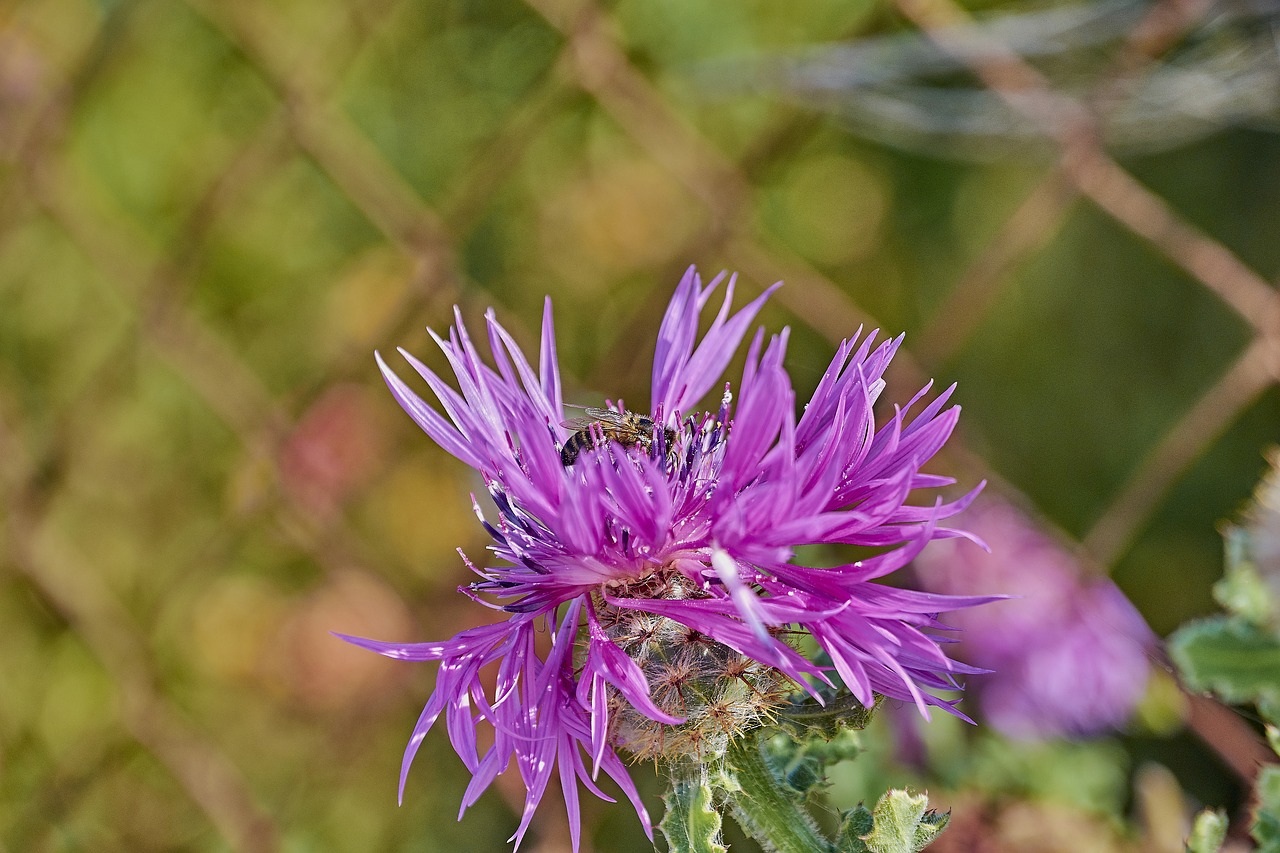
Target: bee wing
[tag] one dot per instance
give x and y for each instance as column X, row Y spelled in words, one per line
column 608, row 416
column 596, row 416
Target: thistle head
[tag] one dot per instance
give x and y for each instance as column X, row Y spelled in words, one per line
column 646, row 561
column 720, row 693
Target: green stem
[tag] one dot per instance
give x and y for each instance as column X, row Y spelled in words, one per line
column 691, row 824
column 772, row 815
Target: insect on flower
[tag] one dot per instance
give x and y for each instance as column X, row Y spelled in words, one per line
column 654, row 550
column 626, row 428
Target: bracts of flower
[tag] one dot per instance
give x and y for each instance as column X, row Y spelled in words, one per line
column 656, row 551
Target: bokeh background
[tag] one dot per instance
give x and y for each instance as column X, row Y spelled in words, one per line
column 211, row 214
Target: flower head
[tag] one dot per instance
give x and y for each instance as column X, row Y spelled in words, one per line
column 655, row 548
column 1068, row 654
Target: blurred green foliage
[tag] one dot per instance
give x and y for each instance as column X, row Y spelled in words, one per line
column 211, row 214
column 1237, row 655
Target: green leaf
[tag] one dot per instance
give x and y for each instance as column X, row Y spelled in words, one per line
column 840, row 713
column 1266, row 820
column 1269, row 708
column 691, row 823
column 801, row 763
column 1208, row 832
column 901, row 823
column 1229, row 657
column 858, row 824
column 1242, row 591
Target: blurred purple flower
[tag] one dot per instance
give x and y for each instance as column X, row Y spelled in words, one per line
column 1069, row 655
column 695, row 522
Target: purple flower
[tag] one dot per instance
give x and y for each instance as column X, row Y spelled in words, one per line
column 1068, row 655
column 676, row 523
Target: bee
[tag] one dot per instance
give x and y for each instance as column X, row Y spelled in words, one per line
column 627, row 428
